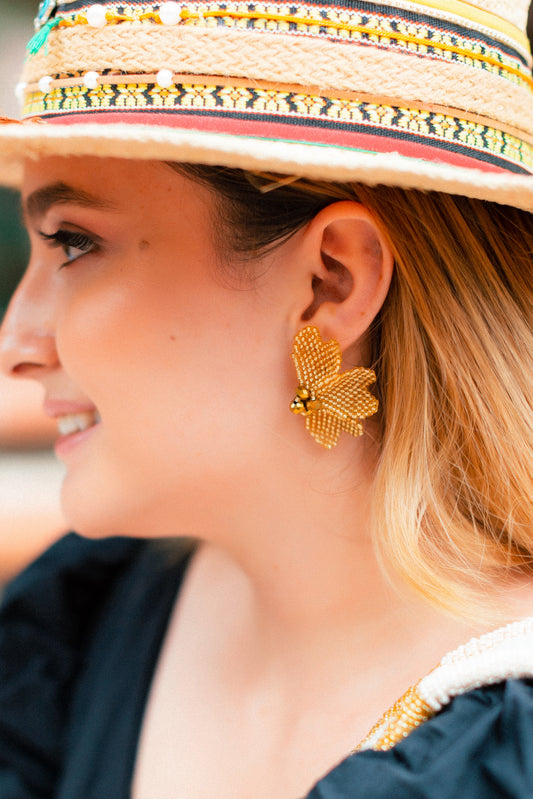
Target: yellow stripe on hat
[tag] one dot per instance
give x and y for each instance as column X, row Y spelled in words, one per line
column 480, row 16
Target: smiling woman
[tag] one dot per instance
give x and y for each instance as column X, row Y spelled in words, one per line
column 113, row 284
column 253, row 588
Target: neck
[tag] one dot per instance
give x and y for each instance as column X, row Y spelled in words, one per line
column 297, row 574
column 288, row 559
column 302, row 543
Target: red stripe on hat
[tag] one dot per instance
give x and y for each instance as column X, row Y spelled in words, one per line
column 377, row 142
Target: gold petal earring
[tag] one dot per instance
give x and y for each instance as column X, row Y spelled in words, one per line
column 330, row 401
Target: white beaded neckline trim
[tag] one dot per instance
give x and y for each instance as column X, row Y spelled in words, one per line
column 504, row 654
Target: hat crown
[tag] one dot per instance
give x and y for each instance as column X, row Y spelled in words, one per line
column 438, row 86
column 514, row 11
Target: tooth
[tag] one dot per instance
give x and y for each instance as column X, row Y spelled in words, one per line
column 75, row 422
column 84, row 420
column 66, row 425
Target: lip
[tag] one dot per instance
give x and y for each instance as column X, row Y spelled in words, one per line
column 55, row 407
column 66, row 444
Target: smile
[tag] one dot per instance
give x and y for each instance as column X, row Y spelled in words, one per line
column 77, row 422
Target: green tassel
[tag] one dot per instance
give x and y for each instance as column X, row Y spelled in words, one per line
column 41, row 37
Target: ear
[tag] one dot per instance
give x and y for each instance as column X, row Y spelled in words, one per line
column 348, row 265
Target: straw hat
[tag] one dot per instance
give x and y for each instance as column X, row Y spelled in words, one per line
column 436, row 94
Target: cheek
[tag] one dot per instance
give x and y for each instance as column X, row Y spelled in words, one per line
column 174, row 374
column 93, row 335
column 192, row 388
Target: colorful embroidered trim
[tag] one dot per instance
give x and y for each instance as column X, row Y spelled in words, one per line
column 504, row 24
column 273, row 113
column 366, row 24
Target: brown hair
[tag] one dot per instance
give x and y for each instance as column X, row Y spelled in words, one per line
column 453, row 353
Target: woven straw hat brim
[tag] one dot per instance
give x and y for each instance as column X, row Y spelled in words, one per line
column 421, row 94
column 324, row 162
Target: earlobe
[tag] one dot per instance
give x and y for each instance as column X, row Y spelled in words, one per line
column 354, row 266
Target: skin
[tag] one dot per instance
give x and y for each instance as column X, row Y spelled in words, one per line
column 189, row 367
column 168, row 348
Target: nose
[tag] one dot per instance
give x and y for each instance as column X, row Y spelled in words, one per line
column 27, row 336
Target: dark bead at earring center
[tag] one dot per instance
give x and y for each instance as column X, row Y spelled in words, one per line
column 304, row 402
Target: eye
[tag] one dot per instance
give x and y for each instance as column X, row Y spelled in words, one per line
column 73, row 243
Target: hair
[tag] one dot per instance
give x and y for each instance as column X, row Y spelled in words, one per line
column 453, row 353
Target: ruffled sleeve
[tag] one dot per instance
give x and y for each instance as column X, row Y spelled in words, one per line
column 47, row 616
column 480, row 746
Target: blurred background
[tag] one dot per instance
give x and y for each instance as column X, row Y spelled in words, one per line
column 30, row 476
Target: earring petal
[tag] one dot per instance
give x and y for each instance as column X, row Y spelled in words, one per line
column 324, row 427
column 316, row 361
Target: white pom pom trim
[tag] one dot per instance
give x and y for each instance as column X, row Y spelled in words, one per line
column 20, row 88
column 169, row 13
column 90, row 79
column 165, row 78
column 45, row 83
column 96, row 16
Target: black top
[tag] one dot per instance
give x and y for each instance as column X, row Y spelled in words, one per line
column 80, row 633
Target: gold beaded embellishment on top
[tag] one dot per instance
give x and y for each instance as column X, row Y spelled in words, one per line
column 407, row 713
column 504, row 654
column 330, row 401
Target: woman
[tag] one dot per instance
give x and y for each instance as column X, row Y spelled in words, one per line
column 160, row 309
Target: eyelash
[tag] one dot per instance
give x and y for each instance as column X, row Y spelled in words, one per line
column 72, row 239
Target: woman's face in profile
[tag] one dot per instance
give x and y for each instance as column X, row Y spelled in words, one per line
column 177, row 371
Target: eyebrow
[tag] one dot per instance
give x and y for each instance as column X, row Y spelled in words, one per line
column 40, row 201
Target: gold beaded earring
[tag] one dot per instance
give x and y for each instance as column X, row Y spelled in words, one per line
column 330, row 401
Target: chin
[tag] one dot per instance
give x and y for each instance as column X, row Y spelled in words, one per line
column 95, row 510
column 91, row 511
column 100, row 499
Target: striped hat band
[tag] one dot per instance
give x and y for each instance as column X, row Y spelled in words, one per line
column 441, row 81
